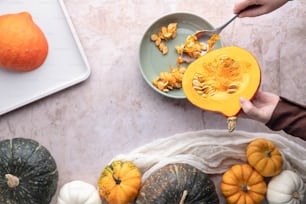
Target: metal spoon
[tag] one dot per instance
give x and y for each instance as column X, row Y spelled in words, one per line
column 204, row 35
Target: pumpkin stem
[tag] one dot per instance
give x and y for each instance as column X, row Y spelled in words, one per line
column 268, row 154
column 117, row 180
column 185, row 192
column 296, row 195
column 231, row 123
column 245, row 188
column 12, row 181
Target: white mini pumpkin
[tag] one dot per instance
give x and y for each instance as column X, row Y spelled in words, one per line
column 286, row 188
column 78, row 192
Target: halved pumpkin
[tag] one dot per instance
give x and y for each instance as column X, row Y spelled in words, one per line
column 217, row 80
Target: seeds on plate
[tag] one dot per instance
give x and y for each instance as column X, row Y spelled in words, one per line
column 165, row 33
column 194, row 48
column 167, row 81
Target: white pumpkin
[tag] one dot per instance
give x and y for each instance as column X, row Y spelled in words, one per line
column 78, row 192
column 286, row 188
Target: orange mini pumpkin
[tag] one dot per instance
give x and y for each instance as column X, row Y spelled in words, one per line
column 119, row 182
column 23, row 46
column 243, row 185
column 265, row 157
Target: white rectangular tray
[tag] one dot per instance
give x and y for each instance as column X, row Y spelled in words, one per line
column 66, row 64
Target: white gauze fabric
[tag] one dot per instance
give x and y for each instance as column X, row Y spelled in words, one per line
column 212, row 151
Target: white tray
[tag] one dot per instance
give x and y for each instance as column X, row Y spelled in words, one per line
column 66, row 64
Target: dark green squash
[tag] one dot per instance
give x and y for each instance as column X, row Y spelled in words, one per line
column 28, row 172
column 178, row 183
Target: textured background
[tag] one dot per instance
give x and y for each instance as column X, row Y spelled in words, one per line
column 115, row 111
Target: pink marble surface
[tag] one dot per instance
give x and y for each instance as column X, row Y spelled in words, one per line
column 115, row 111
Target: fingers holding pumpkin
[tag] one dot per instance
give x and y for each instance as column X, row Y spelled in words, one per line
column 250, row 110
column 261, row 107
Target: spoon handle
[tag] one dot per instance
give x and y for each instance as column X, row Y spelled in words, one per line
column 219, row 29
column 225, row 24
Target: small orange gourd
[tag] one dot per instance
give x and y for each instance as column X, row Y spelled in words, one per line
column 217, row 80
column 119, row 182
column 265, row 157
column 241, row 184
column 23, row 46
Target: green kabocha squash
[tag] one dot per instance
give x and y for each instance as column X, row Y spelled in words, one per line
column 28, row 172
column 178, row 183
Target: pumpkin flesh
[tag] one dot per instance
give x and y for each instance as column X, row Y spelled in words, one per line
column 226, row 74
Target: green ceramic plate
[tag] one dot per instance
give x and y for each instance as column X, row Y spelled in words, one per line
column 152, row 61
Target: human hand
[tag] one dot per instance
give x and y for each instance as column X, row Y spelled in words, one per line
column 257, row 7
column 261, row 107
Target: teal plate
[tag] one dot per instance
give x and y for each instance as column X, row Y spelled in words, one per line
column 152, row 61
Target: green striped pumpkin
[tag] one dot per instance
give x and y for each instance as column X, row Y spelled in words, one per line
column 178, row 183
column 28, row 172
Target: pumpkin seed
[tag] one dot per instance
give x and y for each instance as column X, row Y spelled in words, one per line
column 231, row 91
column 165, row 50
column 203, row 87
column 165, row 33
column 167, row 81
column 154, row 37
column 157, row 42
column 173, row 35
column 200, row 92
column 233, row 86
column 196, row 83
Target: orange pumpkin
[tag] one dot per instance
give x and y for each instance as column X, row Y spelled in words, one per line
column 23, row 46
column 217, row 80
column 265, row 157
column 119, row 182
column 243, row 185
